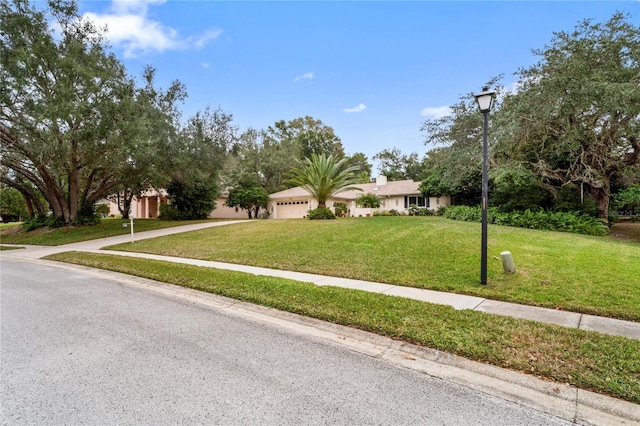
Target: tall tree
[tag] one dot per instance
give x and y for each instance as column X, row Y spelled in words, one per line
column 454, row 166
column 150, row 159
column 397, row 166
column 391, row 163
column 453, row 172
column 575, row 120
column 361, row 162
column 69, row 114
column 258, row 159
column 203, row 145
column 196, row 162
column 310, row 136
column 324, row 176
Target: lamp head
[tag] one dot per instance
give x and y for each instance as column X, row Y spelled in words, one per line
column 485, row 99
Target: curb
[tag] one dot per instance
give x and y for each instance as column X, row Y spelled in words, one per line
column 557, row 399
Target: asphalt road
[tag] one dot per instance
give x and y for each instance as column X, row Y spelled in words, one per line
column 76, row 349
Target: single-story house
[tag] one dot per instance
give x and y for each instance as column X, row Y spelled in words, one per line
column 148, row 206
column 394, row 195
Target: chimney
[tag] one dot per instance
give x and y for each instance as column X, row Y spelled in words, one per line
column 381, row 180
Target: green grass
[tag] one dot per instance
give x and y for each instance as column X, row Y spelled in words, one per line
column 9, row 225
column 74, row 234
column 594, row 275
column 589, row 360
column 10, row 247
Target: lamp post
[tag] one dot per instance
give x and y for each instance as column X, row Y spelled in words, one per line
column 485, row 102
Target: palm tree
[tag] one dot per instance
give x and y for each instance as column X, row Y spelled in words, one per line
column 323, row 177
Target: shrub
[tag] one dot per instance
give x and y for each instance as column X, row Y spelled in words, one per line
column 87, row 216
column 441, row 210
column 413, row 210
column 466, row 213
column 628, row 203
column 321, row 213
column 102, row 210
column 193, row 199
column 42, row 221
column 340, row 208
column 368, row 200
column 168, row 212
column 575, row 222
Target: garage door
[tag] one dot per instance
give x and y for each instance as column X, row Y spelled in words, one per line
column 291, row 209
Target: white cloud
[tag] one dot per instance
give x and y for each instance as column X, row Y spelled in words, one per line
column 203, row 39
column 136, row 34
column 129, row 27
column 122, row 7
column 205, row 65
column 358, row 108
column 305, row 76
column 436, row 112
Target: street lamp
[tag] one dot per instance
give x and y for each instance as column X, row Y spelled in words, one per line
column 485, row 102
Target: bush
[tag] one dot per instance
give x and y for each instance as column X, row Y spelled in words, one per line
column 321, row 213
column 575, row 222
column 192, row 199
column 413, row 210
column 368, row 200
column 466, row 213
column 627, row 202
column 87, row 216
column 340, row 208
column 42, row 221
column 102, row 210
column 441, row 211
column 168, row 212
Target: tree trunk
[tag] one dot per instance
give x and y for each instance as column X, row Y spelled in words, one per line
column 127, row 199
column 73, row 196
column 27, row 201
column 601, row 196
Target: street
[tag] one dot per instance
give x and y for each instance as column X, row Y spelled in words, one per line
column 76, row 349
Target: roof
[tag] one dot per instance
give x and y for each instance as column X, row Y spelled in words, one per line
column 391, row 188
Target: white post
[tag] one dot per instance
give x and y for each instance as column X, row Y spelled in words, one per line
column 131, row 225
column 507, row 262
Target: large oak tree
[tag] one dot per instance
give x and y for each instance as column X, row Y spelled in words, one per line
column 74, row 125
column 575, row 119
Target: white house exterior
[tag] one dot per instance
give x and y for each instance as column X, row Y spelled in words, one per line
column 148, row 206
column 394, row 195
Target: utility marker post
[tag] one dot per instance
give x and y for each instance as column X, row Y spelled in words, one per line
column 131, row 224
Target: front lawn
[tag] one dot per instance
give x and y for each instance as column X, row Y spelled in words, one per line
column 579, row 273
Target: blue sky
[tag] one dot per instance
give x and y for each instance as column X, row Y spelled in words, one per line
column 374, row 71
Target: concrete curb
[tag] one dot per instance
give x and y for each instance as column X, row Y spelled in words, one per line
column 560, row 400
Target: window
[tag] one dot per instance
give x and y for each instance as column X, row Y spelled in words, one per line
column 417, row 200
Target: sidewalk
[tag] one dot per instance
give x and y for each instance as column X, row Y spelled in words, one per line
column 458, row 301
